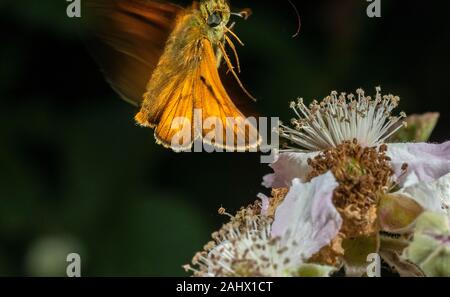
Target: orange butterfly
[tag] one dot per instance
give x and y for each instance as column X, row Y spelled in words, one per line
column 166, row 59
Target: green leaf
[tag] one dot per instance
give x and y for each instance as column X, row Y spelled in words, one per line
column 438, row 264
column 403, row 267
column 356, row 252
column 315, row 270
column 433, row 222
column 430, row 248
column 397, row 213
column 391, row 249
column 419, row 128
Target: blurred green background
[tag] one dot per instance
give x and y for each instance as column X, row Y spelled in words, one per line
column 77, row 175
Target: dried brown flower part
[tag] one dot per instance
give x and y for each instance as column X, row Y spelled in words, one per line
column 331, row 254
column 363, row 174
column 240, row 219
column 278, row 196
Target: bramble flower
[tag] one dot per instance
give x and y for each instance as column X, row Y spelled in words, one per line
column 382, row 187
column 253, row 244
column 339, row 193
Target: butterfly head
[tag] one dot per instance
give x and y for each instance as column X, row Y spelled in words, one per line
column 216, row 13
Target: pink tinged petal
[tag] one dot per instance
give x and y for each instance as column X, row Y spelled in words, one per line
column 286, row 167
column 265, row 203
column 307, row 215
column 432, row 196
column 426, row 162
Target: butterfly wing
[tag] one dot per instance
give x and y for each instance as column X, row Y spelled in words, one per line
column 193, row 100
column 127, row 39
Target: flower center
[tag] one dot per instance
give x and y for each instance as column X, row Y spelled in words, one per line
column 363, row 175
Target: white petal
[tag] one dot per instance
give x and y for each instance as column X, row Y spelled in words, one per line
column 265, row 203
column 433, row 196
column 307, row 215
column 286, row 167
column 410, row 179
column 426, row 161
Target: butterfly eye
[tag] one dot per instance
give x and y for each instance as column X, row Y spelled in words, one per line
column 214, row 20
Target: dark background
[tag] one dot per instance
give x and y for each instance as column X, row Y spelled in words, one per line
column 77, row 175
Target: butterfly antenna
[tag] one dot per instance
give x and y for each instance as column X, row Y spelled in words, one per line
column 298, row 19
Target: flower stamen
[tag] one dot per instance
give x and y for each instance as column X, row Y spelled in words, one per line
column 343, row 117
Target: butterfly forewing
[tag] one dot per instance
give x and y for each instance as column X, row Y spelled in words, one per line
column 127, row 38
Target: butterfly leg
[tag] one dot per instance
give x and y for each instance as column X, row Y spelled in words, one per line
column 233, row 48
column 231, row 69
